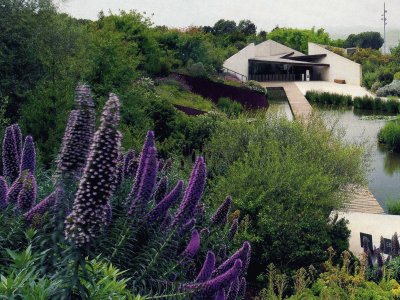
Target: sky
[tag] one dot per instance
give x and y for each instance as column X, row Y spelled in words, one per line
column 266, row 14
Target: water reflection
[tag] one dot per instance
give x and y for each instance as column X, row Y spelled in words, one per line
column 384, row 177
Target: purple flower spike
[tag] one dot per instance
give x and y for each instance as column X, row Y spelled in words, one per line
column 210, row 287
column 119, row 171
column 220, row 295
column 28, row 160
column 159, row 212
column 43, row 206
column 127, row 159
column 15, row 189
column 233, row 229
column 148, row 143
column 147, row 183
column 10, row 155
column 192, row 194
column 233, row 289
column 243, row 254
column 3, row 193
column 97, row 185
column 78, row 135
column 161, row 190
column 131, row 168
column 193, row 246
column 27, row 195
column 18, row 138
column 242, row 288
column 187, row 227
column 108, row 213
column 207, row 269
column 221, row 215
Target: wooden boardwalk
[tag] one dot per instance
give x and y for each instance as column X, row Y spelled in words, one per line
column 362, row 200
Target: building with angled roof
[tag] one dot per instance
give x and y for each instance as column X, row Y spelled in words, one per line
column 271, row 61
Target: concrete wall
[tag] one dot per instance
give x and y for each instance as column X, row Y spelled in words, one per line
column 340, row 67
column 240, row 61
column 272, row 48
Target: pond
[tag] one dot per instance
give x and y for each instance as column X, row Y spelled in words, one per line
column 360, row 126
column 278, row 101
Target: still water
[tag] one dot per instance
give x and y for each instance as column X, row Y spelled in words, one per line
column 384, row 175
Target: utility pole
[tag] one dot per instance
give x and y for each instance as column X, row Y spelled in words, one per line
column 384, row 19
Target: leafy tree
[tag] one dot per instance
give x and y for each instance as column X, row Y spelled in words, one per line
column 247, row 27
column 369, row 39
column 224, row 27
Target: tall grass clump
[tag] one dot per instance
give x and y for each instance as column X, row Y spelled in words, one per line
column 326, row 98
column 111, row 224
column 390, row 135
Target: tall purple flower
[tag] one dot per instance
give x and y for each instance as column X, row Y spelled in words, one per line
column 210, row 287
column 127, row 158
column 207, row 269
column 161, row 190
column 159, row 212
column 192, row 194
column 221, row 215
column 131, row 168
column 147, row 183
column 3, row 193
column 242, row 288
column 148, row 143
column 18, row 138
column 28, row 160
column 78, row 135
column 97, row 185
column 243, row 254
column 233, row 289
column 11, row 154
column 108, row 209
column 233, row 229
column 15, row 189
column 193, row 246
column 43, row 206
column 27, row 195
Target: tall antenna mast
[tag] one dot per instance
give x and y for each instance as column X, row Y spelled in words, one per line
column 384, row 19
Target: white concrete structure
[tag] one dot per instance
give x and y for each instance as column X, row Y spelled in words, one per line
column 271, row 61
column 376, row 225
column 339, row 66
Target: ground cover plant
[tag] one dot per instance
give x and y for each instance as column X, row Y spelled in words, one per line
column 112, row 224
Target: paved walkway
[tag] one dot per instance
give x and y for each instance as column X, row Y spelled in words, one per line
column 298, row 103
column 363, row 200
column 331, row 87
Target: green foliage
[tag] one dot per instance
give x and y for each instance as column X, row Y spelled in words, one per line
column 326, row 98
column 278, row 171
column 298, row 39
column 393, row 207
column 369, row 39
column 230, row 107
column 255, row 86
column 390, row 135
column 197, row 70
column 392, row 89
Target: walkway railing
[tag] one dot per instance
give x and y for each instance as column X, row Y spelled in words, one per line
column 280, row 77
column 237, row 74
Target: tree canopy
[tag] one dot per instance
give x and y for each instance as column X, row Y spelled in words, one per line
column 368, row 39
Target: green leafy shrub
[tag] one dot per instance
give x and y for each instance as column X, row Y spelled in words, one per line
column 393, row 207
column 390, row 135
column 375, row 86
column 230, row 107
column 396, row 76
column 277, row 171
column 255, row 86
column 197, row 70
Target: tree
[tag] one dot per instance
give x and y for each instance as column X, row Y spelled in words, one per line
column 224, row 27
column 262, row 35
column 247, row 27
column 368, row 39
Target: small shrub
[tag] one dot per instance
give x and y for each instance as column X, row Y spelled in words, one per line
column 197, row 70
column 392, row 89
column 393, row 207
column 255, row 86
column 375, row 86
column 390, row 135
column 230, row 107
column 396, row 76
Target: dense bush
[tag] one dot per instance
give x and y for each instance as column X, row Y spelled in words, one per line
column 390, row 135
column 231, row 108
column 288, row 177
column 392, row 89
column 393, row 207
column 111, row 227
column 327, row 98
column 255, row 86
